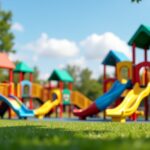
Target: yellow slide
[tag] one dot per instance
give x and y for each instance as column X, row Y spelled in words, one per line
column 48, row 105
column 80, row 100
column 130, row 104
column 46, row 108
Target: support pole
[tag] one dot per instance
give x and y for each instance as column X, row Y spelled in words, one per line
column 10, row 89
column 21, row 76
column 30, row 102
column 133, row 61
column 104, row 78
column 61, row 86
column 104, row 87
column 70, row 87
column 146, row 81
column 133, row 116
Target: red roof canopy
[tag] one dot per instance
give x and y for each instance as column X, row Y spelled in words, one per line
column 5, row 62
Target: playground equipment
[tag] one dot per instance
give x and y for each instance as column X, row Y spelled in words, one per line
column 7, row 87
column 63, row 79
column 69, row 98
column 124, row 75
column 26, row 89
column 141, row 40
column 22, row 111
column 111, row 59
column 18, row 107
column 80, row 100
column 49, row 105
column 130, row 104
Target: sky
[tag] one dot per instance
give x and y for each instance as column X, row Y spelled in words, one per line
column 53, row 33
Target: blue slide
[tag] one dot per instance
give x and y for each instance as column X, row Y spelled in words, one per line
column 18, row 107
column 112, row 95
column 102, row 102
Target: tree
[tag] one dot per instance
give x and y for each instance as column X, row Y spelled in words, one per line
column 89, row 87
column 74, row 72
column 137, row 1
column 6, row 36
column 84, row 82
column 36, row 73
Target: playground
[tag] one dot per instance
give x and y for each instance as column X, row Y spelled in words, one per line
column 74, row 107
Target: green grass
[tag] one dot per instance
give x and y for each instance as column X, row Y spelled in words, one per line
column 29, row 135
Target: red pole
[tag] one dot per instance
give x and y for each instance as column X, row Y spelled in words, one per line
column 10, row 88
column 104, row 78
column 31, row 77
column 10, row 80
column 61, row 86
column 104, row 87
column 21, row 76
column 146, row 100
column 133, row 61
column 145, row 55
column 70, row 86
column 31, row 103
column 133, row 53
column 133, row 116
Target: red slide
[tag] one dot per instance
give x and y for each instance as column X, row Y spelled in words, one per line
column 92, row 109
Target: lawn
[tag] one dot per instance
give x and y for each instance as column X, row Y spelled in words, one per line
column 29, row 135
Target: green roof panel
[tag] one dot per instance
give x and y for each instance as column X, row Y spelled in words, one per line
column 61, row 75
column 23, row 67
column 141, row 38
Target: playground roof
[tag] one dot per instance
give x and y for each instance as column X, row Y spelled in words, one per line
column 23, row 67
column 114, row 57
column 141, row 37
column 5, row 62
column 61, row 75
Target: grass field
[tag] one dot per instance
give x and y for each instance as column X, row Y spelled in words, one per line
column 27, row 135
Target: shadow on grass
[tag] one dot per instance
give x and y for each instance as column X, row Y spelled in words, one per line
column 29, row 137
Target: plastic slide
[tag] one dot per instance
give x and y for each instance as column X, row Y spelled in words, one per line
column 18, row 107
column 130, row 103
column 102, row 102
column 80, row 100
column 46, row 108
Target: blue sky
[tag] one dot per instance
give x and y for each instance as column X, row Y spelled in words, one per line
column 53, row 33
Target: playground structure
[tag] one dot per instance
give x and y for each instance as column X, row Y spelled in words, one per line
column 124, row 92
column 23, row 94
column 125, row 71
column 140, row 40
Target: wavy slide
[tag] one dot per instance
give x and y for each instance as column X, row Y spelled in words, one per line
column 46, row 108
column 22, row 111
column 130, row 104
column 18, row 107
column 103, row 101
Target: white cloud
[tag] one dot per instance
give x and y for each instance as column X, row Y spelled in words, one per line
column 17, row 27
column 61, row 66
column 97, row 46
column 44, row 76
column 52, row 47
column 35, row 58
column 79, row 62
column 15, row 57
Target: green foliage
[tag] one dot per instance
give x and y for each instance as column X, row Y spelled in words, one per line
column 4, row 75
column 51, row 135
column 6, row 36
column 84, row 82
column 137, row 1
column 36, row 73
column 74, row 71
